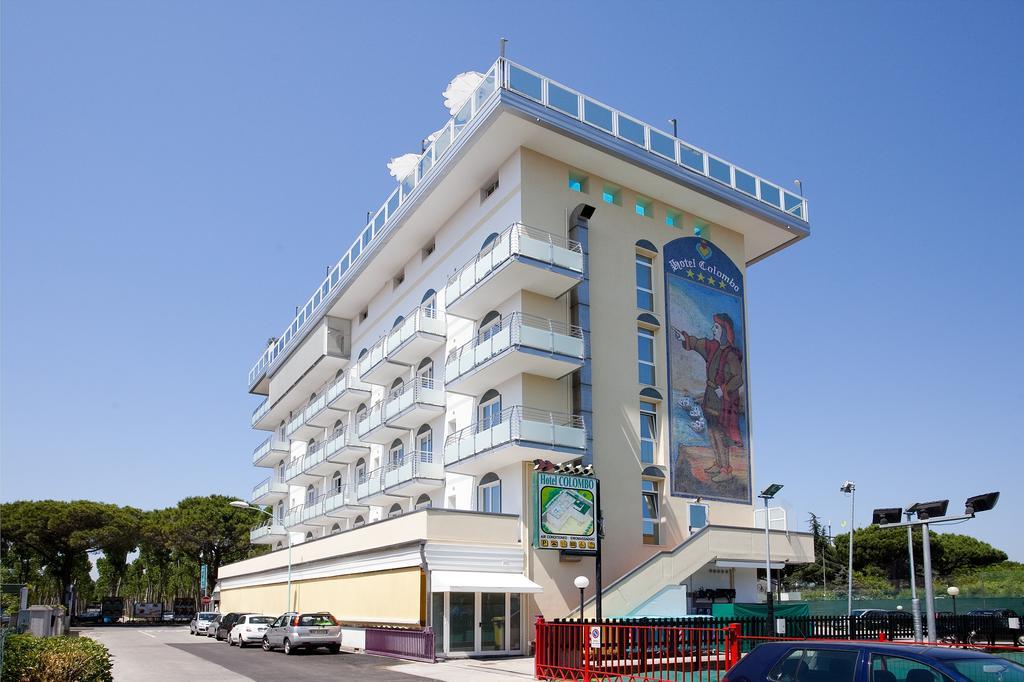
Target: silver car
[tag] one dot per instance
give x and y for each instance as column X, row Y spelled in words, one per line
column 200, row 625
column 293, row 631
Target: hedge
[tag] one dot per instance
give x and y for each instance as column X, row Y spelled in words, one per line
column 54, row 659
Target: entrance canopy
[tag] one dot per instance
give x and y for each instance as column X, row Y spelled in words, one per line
column 481, row 581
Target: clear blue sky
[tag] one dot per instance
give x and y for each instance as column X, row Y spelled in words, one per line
column 177, row 175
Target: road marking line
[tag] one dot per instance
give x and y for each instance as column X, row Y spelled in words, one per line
column 143, row 632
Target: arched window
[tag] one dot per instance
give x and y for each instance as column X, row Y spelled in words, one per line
column 312, row 397
column 398, row 322
column 337, row 483
column 360, row 412
column 489, row 242
column 311, row 446
column 335, row 529
column 489, row 410
column 280, row 471
column 280, row 430
column 396, row 385
column 425, row 373
column 339, row 427
column 279, row 516
column 489, row 494
column 309, row 535
column 362, row 354
column 423, row 502
column 425, row 443
column 310, row 496
column 429, row 303
column 337, row 375
column 396, row 510
column 278, row 546
column 396, row 453
column 361, row 471
column 360, row 521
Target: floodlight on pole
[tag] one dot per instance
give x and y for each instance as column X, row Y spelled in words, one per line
column 849, row 488
column 767, row 494
column 891, row 515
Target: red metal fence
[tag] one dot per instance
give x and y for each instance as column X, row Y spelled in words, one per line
column 633, row 653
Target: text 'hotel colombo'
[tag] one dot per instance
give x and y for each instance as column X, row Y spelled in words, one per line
column 552, row 279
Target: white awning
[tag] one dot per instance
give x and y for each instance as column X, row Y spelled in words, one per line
column 722, row 563
column 480, row 581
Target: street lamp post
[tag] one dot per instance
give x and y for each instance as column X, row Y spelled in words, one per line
column 767, row 494
column 581, row 582
column 850, row 489
column 242, row 504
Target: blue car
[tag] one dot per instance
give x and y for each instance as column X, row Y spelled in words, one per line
column 869, row 662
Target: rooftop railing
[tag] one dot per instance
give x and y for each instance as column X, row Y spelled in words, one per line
column 506, row 75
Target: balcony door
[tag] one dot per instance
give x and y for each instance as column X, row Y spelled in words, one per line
column 489, row 411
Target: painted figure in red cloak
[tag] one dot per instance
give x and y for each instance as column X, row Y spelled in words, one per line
column 721, row 403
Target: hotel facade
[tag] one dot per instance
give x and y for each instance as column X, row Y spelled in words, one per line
column 552, row 280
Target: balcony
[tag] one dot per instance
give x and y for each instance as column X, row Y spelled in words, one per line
column 328, row 509
column 414, row 474
column 268, row 534
column 300, row 519
column 269, row 452
column 406, row 407
column 520, row 258
column 269, row 491
column 413, row 336
column 324, row 458
column 518, row 434
column 372, row 490
column 330, row 404
column 260, row 412
column 519, row 344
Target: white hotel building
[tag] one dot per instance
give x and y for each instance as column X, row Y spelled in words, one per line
column 509, row 302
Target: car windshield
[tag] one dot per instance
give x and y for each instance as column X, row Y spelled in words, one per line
column 320, row 619
column 207, row 616
column 261, row 620
column 988, row 669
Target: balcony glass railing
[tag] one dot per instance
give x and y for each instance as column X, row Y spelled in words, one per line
column 516, row 424
column 421, row 390
column 424, row 318
column 319, row 453
column 421, row 464
column 506, row 75
column 260, row 411
column 515, row 240
column 265, row 487
column 324, row 397
column 273, row 443
column 265, row 530
column 334, row 499
column 517, row 329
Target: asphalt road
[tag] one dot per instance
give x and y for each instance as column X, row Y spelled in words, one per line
column 169, row 654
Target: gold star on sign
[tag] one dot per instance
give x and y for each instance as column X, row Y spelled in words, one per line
column 700, row 277
column 689, row 273
column 711, row 281
column 721, row 284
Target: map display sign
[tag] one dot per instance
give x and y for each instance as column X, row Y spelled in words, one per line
column 564, row 512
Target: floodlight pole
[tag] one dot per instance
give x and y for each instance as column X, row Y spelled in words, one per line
column 915, row 603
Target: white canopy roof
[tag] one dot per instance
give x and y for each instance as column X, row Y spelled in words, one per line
column 480, row 581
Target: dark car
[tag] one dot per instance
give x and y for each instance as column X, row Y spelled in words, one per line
column 225, row 623
column 821, row 661
column 994, row 625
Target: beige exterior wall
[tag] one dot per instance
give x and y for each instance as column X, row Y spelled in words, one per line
column 614, row 231
column 385, row 597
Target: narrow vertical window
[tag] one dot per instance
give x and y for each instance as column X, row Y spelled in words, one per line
column 644, row 283
column 645, row 355
column 651, row 518
column 489, row 494
column 648, row 431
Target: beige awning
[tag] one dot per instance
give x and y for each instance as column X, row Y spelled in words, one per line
column 481, row 581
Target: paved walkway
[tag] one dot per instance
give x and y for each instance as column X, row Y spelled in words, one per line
column 145, row 654
column 473, row 670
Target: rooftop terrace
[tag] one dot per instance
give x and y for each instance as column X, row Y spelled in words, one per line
column 509, row 77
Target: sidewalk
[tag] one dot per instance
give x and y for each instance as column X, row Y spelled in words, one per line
column 472, row 670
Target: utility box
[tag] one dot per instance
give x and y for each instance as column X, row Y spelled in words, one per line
column 43, row 621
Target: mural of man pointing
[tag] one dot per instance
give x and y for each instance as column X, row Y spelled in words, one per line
column 721, row 403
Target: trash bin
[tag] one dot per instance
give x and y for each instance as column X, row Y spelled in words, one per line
column 498, row 624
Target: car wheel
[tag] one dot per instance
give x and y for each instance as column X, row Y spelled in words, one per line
column 334, row 648
column 241, row 643
column 288, row 650
column 266, row 645
column 230, row 641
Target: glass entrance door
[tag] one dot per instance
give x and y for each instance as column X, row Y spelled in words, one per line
column 462, row 621
column 492, row 621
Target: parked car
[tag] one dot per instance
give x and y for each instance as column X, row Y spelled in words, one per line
column 249, row 629
column 870, row 613
column 993, row 625
column 201, row 623
column 211, row 629
column 800, row 661
column 224, row 625
column 293, row 631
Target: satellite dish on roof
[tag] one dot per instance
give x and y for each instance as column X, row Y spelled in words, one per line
column 401, row 166
column 460, row 89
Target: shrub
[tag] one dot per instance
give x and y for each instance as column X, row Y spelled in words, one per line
column 55, row 659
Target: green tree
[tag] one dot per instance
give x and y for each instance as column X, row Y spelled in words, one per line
column 117, row 537
column 209, row 530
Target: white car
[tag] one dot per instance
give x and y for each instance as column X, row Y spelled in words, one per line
column 200, row 625
column 249, row 629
